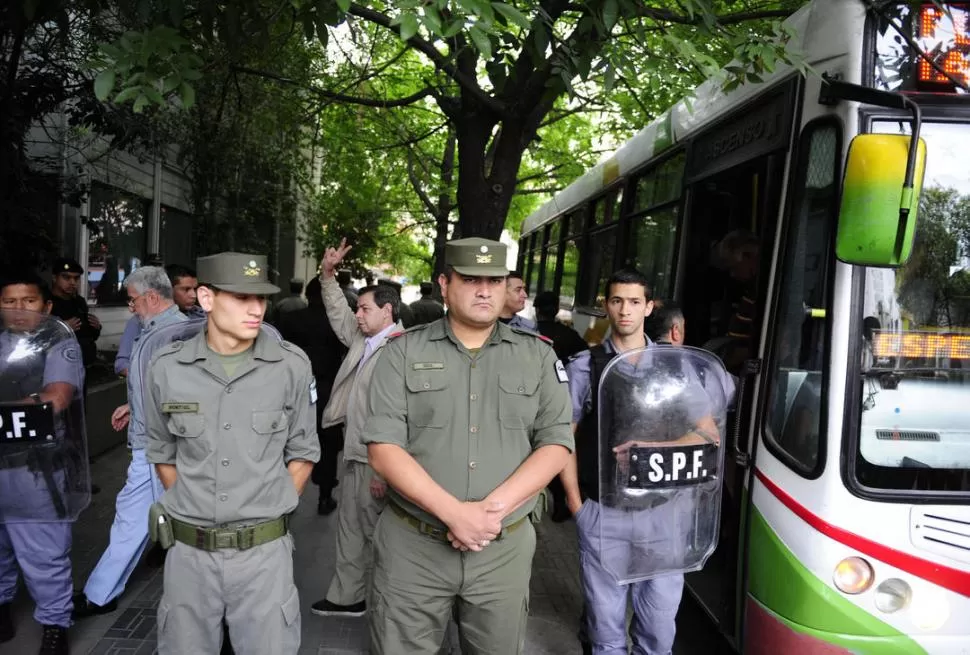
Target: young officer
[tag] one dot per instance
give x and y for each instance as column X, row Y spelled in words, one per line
column 231, row 431
column 655, row 601
column 37, row 364
column 469, row 421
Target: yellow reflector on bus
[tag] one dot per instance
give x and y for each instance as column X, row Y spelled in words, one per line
column 853, row 575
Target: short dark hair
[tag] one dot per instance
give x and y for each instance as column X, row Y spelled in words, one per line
column 627, row 276
column 426, row 288
column 662, row 320
column 29, row 279
column 383, row 295
column 176, row 272
column 546, row 304
column 313, row 292
column 343, row 277
column 296, row 286
column 516, row 274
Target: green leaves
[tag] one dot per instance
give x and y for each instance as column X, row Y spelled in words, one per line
column 409, row 26
column 513, row 15
column 104, row 83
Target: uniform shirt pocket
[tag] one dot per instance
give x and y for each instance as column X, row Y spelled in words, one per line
column 428, row 404
column 518, row 400
column 269, row 427
column 187, row 429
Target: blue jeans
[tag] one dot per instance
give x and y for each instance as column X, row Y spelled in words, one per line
column 129, row 531
column 655, row 601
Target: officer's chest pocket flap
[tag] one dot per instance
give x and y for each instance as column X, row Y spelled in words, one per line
column 188, row 425
column 267, row 423
column 427, row 405
column 519, row 400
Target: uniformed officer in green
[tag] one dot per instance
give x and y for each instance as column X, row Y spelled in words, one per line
column 469, row 422
column 232, row 433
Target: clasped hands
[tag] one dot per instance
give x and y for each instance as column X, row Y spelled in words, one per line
column 474, row 525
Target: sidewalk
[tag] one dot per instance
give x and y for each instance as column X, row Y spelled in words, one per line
column 130, row 630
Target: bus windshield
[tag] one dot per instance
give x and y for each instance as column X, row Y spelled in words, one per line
column 915, row 414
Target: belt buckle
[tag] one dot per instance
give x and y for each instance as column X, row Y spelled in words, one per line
column 226, row 539
column 432, row 531
column 245, row 537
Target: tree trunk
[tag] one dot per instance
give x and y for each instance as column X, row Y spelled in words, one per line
column 484, row 199
column 443, row 215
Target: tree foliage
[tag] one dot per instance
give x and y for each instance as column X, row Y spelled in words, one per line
column 929, row 292
column 495, row 71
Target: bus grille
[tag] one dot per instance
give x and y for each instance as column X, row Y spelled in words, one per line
column 943, row 530
column 907, row 435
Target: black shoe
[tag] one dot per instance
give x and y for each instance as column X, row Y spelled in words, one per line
column 326, row 608
column 83, row 608
column 54, row 641
column 6, row 623
column 326, row 506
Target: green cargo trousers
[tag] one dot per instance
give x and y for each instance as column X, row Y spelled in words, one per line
column 253, row 589
column 420, row 582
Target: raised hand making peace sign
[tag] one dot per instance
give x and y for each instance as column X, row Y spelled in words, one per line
column 332, row 258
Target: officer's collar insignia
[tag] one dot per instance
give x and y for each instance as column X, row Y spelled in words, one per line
column 252, row 270
column 483, row 259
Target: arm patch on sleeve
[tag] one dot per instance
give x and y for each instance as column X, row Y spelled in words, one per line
column 313, row 391
column 561, row 372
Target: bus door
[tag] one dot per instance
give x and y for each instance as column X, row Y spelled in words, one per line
column 727, row 248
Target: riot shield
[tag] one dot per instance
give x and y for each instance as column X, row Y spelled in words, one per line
column 44, row 475
column 662, row 421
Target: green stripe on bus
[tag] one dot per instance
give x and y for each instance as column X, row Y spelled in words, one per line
column 781, row 583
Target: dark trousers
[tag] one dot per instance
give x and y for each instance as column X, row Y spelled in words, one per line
column 331, row 443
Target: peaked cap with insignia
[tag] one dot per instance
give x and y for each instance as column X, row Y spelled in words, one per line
column 477, row 257
column 236, row 272
column 66, row 265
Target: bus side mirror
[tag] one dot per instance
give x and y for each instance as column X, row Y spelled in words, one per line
column 877, row 219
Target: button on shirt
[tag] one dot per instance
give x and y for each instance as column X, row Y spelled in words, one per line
column 230, row 439
column 136, row 421
column 469, row 419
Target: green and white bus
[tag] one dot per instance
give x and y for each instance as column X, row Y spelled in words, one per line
column 846, row 516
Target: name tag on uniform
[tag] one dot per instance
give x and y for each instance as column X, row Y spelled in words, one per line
column 180, row 408
column 428, row 366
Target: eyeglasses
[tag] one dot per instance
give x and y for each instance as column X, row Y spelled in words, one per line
column 132, row 301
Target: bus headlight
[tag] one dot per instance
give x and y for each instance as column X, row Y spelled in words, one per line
column 931, row 611
column 853, row 575
column 892, row 595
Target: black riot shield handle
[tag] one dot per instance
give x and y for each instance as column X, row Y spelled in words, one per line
column 750, row 368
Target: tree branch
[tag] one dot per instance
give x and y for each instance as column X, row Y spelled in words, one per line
column 468, row 83
column 668, row 16
column 416, row 184
column 523, row 192
column 536, row 176
column 339, row 97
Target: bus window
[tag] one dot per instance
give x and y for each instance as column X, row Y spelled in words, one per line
column 660, row 185
column 914, row 346
column 599, row 212
column 570, row 269
column 597, row 267
column 534, row 259
column 653, row 238
column 795, row 396
column 551, row 257
column 576, row 221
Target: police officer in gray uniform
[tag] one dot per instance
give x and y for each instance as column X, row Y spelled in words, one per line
column 231, row 430
column 515, row 297
column 36, row 505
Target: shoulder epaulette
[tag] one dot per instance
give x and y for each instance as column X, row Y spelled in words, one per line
column 519, row 330
column 295, row 349
column 413, row 328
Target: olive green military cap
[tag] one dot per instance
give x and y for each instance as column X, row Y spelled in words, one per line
column 476, row 257
column 236, row 272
